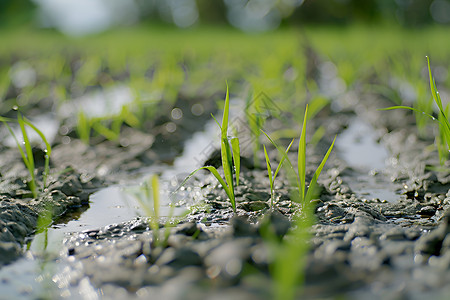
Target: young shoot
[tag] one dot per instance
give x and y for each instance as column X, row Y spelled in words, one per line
column 274, row 175
column 443, row 138
column 305, row 195
column 230, row 155
column 27, row 153
column 148, row 198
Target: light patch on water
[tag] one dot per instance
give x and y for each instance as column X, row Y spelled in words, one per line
column 28, row 278
column 101, row 103
column 358, row 147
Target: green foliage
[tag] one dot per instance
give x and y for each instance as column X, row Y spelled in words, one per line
column 230, row 156
column 304, row 195
column 443, row 137
column 289, row 255
column 109, row 126
column 27, row 153
column 274, row 175
column 148, row 197
column 444, row 124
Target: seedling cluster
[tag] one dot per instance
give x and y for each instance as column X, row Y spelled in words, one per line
column 26, row 151
column 442, row 139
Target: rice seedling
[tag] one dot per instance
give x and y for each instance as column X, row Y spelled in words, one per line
column 289, row 255
column 230, row 156
column 100, row 125
column 83, row 127
column 27, row 153
column 148, row 198
column 443, row 138
column 305, row 195
column 274, row 175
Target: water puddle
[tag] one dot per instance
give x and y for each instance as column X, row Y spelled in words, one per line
column 358, row 146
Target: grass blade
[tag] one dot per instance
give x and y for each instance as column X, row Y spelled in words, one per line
column 269, row 167
column 443, row 120
column 155, row 190
column 282, row 160
column 302, row 158
column 26, row 140
column 283, row 153
column 227, row 163
column 313, row 183
column 19, row 146
column 216, row 174
column 226, row 108
column 236, row 157
column 84, row 127
column 48, row 152
column 28, row 156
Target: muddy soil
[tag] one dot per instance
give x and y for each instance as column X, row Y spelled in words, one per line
column 361, row 246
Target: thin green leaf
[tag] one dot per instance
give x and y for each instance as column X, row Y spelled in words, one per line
column 84, row 127
column 411, row 108
column 47, row 154
column 313, row 182
column 437, row 99
column 28, row 149
column 227, row 163
column 105, row 131
column 283, row 154
column 19, row 146
column 216, row 174
column 155, row 190
column 216, row 121
column 269, row 167
column 28, row 155
column 236, row 157
column 41, row 135
column 302, row 158
column 226, row 109
column 282, row 160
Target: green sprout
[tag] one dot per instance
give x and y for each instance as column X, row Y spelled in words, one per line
column 231, row 163
column 443, row 138
column 148, row 198
column 84, row 127
column 290, row 254
column 100, row 126
column 272, row 176
column 305, row 195
column 27, row 153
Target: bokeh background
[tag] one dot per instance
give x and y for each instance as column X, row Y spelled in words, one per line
column 79, row 17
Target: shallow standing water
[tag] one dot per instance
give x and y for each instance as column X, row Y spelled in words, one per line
column 358, row 146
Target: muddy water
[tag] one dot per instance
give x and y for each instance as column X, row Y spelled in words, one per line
column 358, row 146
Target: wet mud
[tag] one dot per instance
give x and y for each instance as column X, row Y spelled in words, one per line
column 381, row 221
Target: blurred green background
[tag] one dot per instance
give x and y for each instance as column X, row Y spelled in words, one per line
column 88, row 16
column 154, row 53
